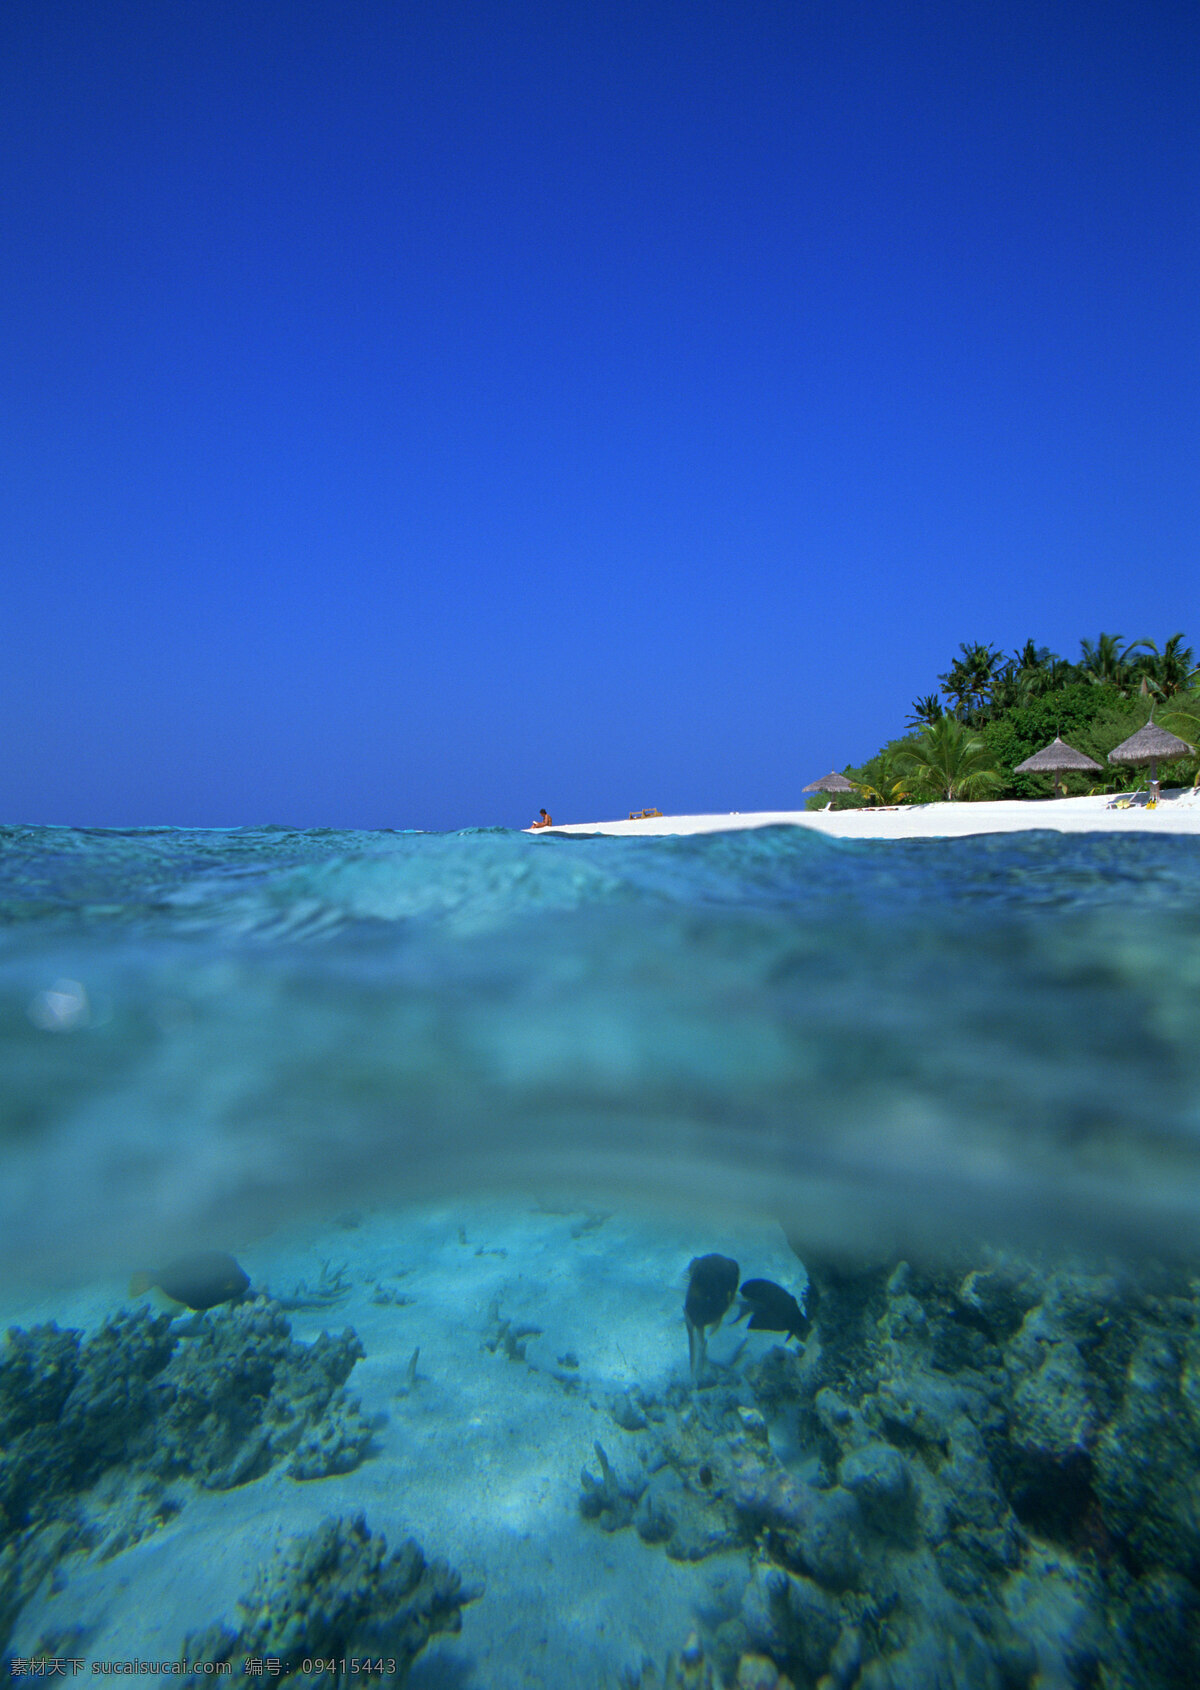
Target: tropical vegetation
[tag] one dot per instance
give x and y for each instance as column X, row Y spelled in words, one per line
column 991, row 712
column 947, row 760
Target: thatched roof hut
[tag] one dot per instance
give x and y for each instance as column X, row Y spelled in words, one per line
column 1152, row 745
column 831, row 783
column 1055, row 759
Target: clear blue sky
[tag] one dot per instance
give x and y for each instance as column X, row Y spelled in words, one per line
column 418, row 412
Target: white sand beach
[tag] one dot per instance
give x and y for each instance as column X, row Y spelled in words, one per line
column 1177, row 812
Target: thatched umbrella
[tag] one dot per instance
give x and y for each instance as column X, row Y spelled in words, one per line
column 831, row 783
column 1151, row 745
column 1057, row 757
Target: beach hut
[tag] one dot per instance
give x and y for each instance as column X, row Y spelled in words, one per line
column 1153, row 745
column 1057, row 758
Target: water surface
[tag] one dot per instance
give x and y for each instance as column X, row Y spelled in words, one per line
column 207, row 1033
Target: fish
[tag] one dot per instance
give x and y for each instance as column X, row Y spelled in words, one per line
column 772, row 1309
column 712, row 1283
column 198, row 1282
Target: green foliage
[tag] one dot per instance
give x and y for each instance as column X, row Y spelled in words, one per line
column 1181, row 715
column 835, row 801
column 1093, row 718
column 1013, row 707
column 948, row 761
column 882, row 778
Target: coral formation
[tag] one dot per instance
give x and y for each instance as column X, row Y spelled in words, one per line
column 991, row 1481
column 503, row 1338
column 69, row 1409
column 337, row 1595
column 93, row 1431
column 608, row 1499
column 687, row 1670
column 244, row 1395
column 333, row 1286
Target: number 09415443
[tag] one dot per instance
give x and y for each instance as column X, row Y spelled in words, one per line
column 350, row 1666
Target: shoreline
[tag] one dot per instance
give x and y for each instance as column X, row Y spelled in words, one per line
column 1178, row 812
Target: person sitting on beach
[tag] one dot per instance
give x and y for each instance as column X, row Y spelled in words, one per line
column 546, row 821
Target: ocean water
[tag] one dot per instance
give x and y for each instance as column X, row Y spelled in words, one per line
column 205, row 1033
column 893, row 1065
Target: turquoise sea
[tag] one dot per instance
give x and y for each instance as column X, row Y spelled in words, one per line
column 484, row 1097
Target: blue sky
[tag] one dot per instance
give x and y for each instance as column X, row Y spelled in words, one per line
column 417, row 413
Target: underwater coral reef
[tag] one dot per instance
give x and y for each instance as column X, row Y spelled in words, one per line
column 993, row 1483
column 100, row 1436
column 976, row 1473
column 333, row 1596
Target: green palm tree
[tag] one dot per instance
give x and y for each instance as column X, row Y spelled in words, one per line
column 1167, row 671
column 969, row 680
column 948, row 761
column 1033, row 656
column 1107, row 661
column 956, row 685
column 984, row 665
column 1015, row 684
column 923, row 710
column 1032, row 672
column 890, row 784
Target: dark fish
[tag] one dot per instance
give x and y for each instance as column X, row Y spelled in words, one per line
column 198, row 1282
column 712, row 1282
column 772, row 1309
